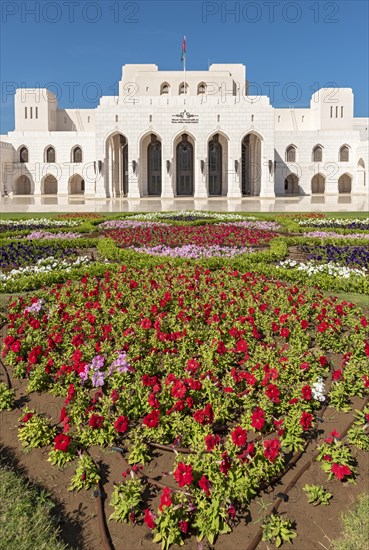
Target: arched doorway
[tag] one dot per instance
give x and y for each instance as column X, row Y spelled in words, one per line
column 184, row 167
column 49, row 185
column 117, row 154
column 215, row 172
column 22, row 186
column 76, row 185
column 345, row 183
column 154, row 166
column 291, row 185
column 318, row 184
column 251, row 165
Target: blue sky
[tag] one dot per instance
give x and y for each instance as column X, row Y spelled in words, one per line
column 308, row 43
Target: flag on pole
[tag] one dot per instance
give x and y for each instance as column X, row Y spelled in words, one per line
column 183, row 58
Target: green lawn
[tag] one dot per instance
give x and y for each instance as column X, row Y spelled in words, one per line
column 355, row 535
column 25, row 519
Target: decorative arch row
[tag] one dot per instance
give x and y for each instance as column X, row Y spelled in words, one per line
column 150, row 166
column 76, row 155
column 317, row 153
column 317, row 186
column 183, row 88
column 49, row 185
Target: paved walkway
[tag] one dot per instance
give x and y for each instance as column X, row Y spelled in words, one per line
column 316, row 203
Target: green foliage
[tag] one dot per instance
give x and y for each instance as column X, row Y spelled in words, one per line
column 36, row 432
column 7, row 397
column 356, row 436
column 211, row 519
column 86, row 475
column 126, row 499
column 277, row 530
column 317, row 495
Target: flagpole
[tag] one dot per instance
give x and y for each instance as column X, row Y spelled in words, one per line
column 184, row 66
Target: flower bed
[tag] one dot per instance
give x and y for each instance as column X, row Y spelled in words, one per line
column 343, row 223
column 192, row 251
column 312, row 268
column 47, row 235
column 44, row 265
column 20, row 253
column 229, row 364
column 356, row 256
column 333, row 235
column 37, row 223
column 192, row 214
column 174, row 236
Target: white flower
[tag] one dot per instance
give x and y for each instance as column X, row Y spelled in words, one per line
column 318, row 390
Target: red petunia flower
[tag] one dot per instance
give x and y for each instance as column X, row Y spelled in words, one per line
column 340, row 470
column 212, row 440
column 304, row 324
column 121, row 424
column 96, row 421
column 239, row 436
column 183, row 474
column 204, row 484
column 151, row 420
column 183, row 526
column 258, row 419
column 306, row 393
column 62, row 442
column 273, row 393
column 305, row 420
column 149, row 518
column 146, row 323
column 225, row 464
column 271, row 449
column 241, row 346
column 26, row 417
column 165, row 499
column 337, row 375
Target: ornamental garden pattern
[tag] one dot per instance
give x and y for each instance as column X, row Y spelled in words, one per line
column 215, row 340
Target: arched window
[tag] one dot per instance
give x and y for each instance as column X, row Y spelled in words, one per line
column 291, row 154
column 344, row 154
column 164, row 89
column 183, row 88
column 23, row 154
column 77, row 154
column 201, row 88
column 50, row 154
column 318, row 153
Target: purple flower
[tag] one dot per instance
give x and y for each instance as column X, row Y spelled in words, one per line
column 84, row 374
column 98, row 362
column 34, row 308
column 98, row 379
column 120, row 363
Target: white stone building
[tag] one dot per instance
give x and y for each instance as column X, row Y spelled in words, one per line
column 203, row 136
